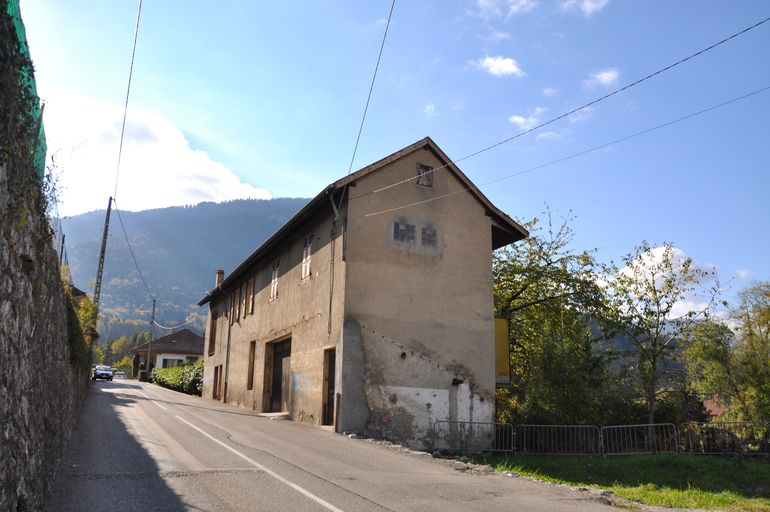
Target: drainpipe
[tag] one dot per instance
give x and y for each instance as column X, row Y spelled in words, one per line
column 331, row 258
column 227, row 358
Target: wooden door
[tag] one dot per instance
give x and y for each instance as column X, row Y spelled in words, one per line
column 280, row 376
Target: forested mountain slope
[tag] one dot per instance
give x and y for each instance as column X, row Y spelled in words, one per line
column 178, row 250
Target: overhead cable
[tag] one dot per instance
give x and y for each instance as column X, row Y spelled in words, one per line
column 131, row 251
column 575, row 155
column 128, row 92
column 371, row 87
column 577, row 109
column 175, row 327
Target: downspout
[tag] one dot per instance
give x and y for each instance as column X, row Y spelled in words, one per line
column 331, row 257
column 227, row 357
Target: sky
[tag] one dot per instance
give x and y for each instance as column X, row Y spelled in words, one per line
column 255, row 99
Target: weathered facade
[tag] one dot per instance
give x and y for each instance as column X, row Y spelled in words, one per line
column 365, row 315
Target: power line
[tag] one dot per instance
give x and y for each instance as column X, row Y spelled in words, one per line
column 577, row 109
column 169, row 328
column 131, row 251
column 575, row 155
column 371, row 87
column 120, row 154
column 128, row 92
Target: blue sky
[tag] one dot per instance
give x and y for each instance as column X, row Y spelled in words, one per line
column 264, row 99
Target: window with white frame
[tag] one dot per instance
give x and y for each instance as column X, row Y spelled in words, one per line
column 307, row 252
column 274, row 281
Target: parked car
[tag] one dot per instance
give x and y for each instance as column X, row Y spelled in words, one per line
column 102, row 372
column 119, row 375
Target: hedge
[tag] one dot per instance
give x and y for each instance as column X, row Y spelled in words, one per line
column 187, row 378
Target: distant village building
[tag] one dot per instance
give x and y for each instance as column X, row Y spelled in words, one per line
column 365, row 316
column 180, row 347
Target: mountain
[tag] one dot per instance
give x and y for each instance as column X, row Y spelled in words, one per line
column 178, row 251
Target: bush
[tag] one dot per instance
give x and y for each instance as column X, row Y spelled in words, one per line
column 187, row 378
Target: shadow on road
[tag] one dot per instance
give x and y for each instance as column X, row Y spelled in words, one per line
column 104, row 466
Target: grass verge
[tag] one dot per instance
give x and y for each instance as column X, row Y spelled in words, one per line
column 664, row 480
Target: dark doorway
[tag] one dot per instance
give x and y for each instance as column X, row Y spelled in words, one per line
column 277, row 366
column 215, row 388
column 328, row 400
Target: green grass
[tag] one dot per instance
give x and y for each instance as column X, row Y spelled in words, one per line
column 680, row 481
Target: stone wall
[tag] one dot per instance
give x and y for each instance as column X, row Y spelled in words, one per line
column 41, row 383
column 44, row 359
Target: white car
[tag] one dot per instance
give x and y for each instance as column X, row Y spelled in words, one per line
column 120, row 375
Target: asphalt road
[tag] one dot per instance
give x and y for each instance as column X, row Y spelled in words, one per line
column 141, row 447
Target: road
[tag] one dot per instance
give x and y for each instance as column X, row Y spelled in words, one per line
column 141, row 447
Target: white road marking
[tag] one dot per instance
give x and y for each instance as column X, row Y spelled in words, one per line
column 151, row 400
column 275, row 475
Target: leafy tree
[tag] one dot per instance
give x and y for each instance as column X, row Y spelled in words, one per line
column 709, row 356
column 753, row 350
column 734, row 364
column 125, row 364
column 649, row 299
column 550, row 295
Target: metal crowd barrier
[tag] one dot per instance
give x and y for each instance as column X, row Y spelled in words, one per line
column 725, row 438
column 714, row 438
column 558, row 439
column 634, row 439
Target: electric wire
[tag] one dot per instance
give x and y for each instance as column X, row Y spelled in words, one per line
column 128, row 92
column 169, row 328
column 371, row 86
column 131, row 251
column 575, row 155
column 120, row 154
column 368, row 99
column 577, row 109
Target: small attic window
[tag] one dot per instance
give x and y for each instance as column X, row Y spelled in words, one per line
column 424, row 175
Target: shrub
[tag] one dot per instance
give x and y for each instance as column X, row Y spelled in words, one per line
column 187, row 378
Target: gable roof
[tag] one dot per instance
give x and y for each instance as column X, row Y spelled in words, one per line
column 181, row 342
column 505, row 230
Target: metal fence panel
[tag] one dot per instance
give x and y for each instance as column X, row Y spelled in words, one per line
column 557, row 439
column 472, row 436
column 632, row 439
column 725, row 438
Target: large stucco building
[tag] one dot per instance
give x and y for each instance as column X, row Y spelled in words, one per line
column 363, row 314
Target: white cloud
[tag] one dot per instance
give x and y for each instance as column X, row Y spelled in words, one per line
column 498, row 36
column 500, row 66
column 696, row 300
column 504, row 8
column 582, row 116
column 430, row 111
column 587, row 7
column 527, row 122
column 742, row 274
column 550, row 91
column 549, row 135
column 158, row 167
column 606, row 78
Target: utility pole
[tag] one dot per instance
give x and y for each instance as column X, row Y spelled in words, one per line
column 149, row 344
column 100, row 269
column 61, row 248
